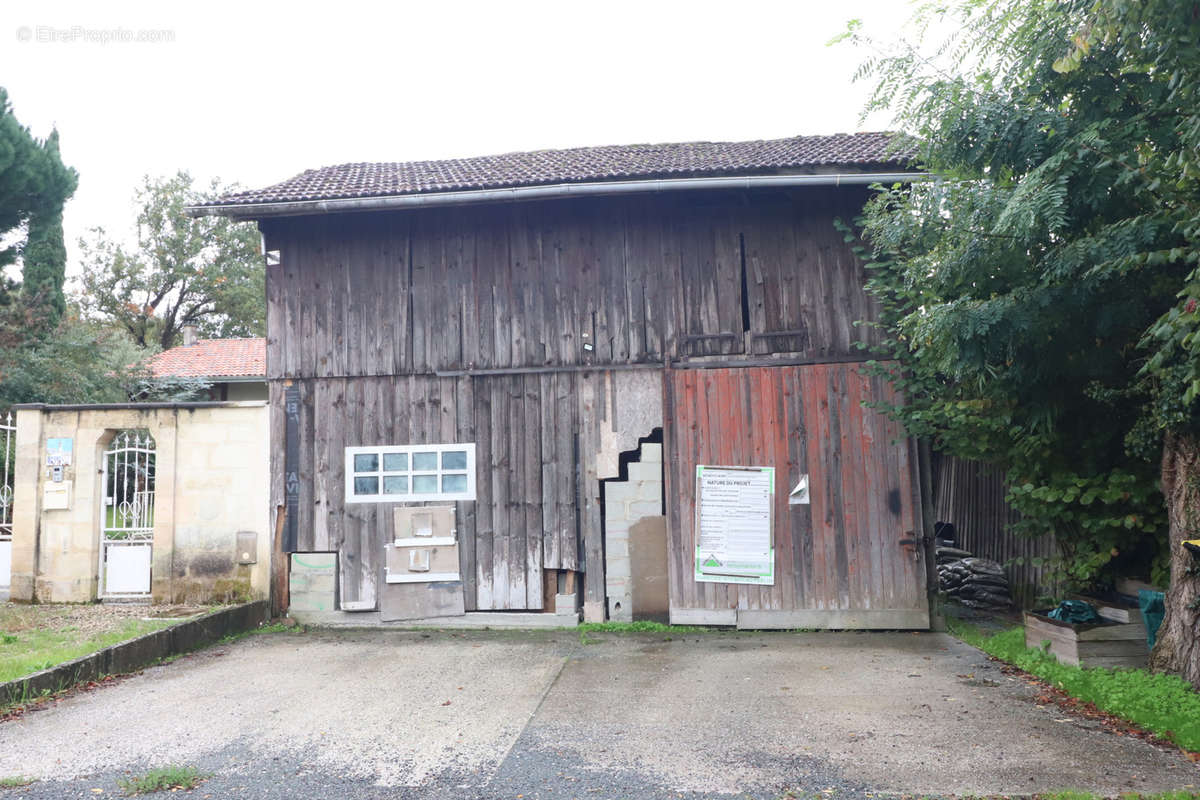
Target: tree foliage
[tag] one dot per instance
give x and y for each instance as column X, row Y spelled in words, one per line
column 1018, row 288
column 205, row 271
column 34, row 184
column 81, row 361
column 75, row 362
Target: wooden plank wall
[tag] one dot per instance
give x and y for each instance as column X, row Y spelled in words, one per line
column 528, row 431
column 840, row 552
column 970, row 495
column 528, row 284
column 365, row 309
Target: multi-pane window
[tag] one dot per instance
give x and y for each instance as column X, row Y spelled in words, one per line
column 410, row 473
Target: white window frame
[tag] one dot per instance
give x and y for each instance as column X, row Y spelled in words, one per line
column 381, row 450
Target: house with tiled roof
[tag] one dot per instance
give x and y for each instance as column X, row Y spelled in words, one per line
column 234, row 369
column 622, row 380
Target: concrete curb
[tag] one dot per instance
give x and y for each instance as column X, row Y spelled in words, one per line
column 472, row 620
column 136, row 653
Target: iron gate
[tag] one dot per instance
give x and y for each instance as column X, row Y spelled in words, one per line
column 8, row 435
column 127, row 524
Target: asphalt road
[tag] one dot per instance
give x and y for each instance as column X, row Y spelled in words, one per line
column 391, row 714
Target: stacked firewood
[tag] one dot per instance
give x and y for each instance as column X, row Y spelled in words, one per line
column 974, row 582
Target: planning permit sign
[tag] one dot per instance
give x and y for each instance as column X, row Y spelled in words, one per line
column 734, row 517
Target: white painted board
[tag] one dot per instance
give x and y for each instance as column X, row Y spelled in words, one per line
column 5, row 564
column 127, row 569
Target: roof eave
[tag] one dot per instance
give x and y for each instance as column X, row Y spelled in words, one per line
column 252, row 211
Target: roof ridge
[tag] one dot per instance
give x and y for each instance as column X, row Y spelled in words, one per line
column 594, row 147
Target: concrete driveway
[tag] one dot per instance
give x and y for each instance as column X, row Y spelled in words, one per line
column 373, row 714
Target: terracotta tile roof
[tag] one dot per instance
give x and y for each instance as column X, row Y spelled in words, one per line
column 581, row 164
column 213, row 358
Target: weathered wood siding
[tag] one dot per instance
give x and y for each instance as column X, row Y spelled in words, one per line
column 395, row 325
column 843, row 551
column 532, row 434
column 640, row 279
column 971, row 496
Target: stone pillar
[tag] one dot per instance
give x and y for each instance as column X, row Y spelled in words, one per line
column 26, row 505
column 165, row 429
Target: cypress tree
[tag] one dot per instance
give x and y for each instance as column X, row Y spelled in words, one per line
column 44, row 255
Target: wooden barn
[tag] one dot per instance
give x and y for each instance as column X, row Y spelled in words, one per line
column 465, row 356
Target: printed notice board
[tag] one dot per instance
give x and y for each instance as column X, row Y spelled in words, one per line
column 734, row 517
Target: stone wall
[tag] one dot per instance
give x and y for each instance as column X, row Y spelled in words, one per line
column 211, row 483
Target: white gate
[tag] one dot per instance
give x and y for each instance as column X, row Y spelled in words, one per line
column 127, row 517
column 8, row 436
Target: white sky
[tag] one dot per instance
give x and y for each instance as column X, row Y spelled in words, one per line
column 255, row 92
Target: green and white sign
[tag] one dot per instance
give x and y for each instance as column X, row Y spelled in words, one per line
column 734, row 517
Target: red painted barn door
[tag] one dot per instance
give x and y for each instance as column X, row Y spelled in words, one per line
column 840, row 561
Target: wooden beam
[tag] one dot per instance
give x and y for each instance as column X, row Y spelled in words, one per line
column 280, row 561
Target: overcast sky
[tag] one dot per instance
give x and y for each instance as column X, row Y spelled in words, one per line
column 255, row 92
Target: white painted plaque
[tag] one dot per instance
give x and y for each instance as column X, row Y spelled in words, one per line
column 734, row 516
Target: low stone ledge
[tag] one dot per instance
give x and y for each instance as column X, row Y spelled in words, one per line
column 136, row 653
column 472, row 620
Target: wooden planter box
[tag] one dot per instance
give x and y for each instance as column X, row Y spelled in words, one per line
column 1120, row 641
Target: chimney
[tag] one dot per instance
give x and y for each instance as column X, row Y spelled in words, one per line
column 189, row 335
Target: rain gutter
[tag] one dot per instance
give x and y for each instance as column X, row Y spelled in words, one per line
column 555, row 191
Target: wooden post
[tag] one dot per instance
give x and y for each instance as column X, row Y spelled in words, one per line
column 280, row 562
column 925, row 477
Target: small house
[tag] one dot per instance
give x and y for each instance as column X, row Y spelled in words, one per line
column 512, row 383
column 235, row 370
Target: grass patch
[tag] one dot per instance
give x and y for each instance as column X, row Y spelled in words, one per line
column 162, row 779
column 1162, row 704
column 16, row 781
column 26, row 652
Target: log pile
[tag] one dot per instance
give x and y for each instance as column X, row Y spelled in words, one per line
column 975, row 582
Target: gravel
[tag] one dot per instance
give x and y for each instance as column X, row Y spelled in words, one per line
column 86, row 620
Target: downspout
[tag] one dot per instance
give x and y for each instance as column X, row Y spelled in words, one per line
column 554, row 191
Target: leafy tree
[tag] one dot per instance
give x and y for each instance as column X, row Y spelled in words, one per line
column 75, row 362
column 205, row 271
column 82, row 361
column 34, row 184
column 1039, row 296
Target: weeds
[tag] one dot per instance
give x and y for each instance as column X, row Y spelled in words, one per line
column 162, row 779
column 1072, row 794
column 641, row 626
column 274, row 627
column 16, row 781
column 1162, row 704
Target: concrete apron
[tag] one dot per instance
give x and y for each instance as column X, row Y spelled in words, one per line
column 489, row 714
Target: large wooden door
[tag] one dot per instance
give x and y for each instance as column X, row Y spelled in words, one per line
column 848, row 558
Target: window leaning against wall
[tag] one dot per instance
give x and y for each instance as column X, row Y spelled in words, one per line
column 410, row 473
